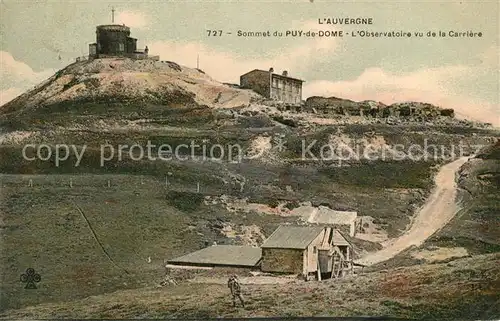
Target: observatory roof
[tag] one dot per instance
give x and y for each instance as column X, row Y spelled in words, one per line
column 113, row 27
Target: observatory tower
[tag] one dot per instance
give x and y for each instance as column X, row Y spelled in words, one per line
column 114, row 41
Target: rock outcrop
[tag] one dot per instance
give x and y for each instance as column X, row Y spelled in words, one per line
column 368, row 108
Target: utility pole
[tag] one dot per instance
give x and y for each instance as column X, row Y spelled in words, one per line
column 112, row 14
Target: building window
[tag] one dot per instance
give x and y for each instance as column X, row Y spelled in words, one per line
column 121, row 47
column 315, row 250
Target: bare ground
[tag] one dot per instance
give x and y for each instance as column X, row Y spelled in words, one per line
column 438, row 210
column 463, row 289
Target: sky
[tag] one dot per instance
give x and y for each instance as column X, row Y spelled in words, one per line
column 451, row 72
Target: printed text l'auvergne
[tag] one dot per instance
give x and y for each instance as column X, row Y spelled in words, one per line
column 345, row 21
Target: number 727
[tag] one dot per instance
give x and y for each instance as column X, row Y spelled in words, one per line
column 214, row 33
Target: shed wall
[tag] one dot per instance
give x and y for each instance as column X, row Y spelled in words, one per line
column 312, row 254
column 282, row 260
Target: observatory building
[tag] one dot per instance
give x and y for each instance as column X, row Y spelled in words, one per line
column 114, row 41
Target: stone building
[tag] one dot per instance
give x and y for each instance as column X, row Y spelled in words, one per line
column 114, row 41
column 278, row 87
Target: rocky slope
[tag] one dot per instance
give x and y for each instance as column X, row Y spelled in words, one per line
column 127, row 80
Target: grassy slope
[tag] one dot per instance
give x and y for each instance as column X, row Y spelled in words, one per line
column 137, row 221
column 464, row 289
column 42, row 228
column 385, row 195
column 379, row 189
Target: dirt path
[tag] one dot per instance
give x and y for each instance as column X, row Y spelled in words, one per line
column 437, row 211
column 246, row 280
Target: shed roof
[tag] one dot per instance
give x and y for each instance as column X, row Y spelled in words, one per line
column 228, row 255
column 327, row 215
column 292, row 237
column 339, row 239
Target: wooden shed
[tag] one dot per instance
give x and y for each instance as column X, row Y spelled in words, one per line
column 306, row 250
column 292, row 249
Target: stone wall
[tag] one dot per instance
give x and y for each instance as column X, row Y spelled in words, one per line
column 111, row 41
column 282, row 260
column 286, row 90
column 258, row 81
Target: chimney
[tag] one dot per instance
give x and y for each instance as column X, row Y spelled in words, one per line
column 285, row 73
column 271, row 69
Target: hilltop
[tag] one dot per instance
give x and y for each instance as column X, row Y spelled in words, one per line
column 129, row 81
column 102, row 92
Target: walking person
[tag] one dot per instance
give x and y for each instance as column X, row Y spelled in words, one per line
column 235, row 288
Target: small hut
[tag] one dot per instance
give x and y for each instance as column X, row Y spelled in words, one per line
column 312, row 251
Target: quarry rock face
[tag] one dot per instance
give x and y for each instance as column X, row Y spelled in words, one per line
column 339, row 106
